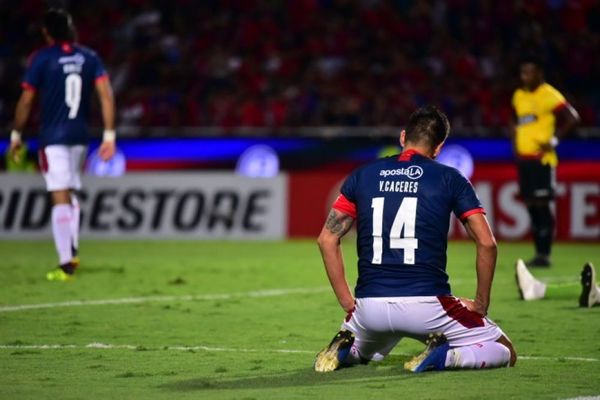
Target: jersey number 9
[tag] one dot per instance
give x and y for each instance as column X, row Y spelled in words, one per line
column 73, row 94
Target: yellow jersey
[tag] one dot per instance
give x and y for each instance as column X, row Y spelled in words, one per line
column 536, row 121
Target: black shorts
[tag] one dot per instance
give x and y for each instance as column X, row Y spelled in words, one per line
column 536, row 180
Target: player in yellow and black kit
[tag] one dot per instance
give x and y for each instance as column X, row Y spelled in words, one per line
column 539, row 108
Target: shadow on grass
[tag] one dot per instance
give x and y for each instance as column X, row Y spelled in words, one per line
column 93, row 269
column 374, row 375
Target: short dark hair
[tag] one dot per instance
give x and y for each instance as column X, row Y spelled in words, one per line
column 427, row 126
column 532, row 58
column 59, row 24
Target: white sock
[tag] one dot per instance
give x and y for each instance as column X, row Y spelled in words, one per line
column 75, row 221
column 62, row 217
column 480, row 355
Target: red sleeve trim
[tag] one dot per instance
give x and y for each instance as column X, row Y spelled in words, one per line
column 101, row 78
column 467, row 214
column 559, row 107
column 27, row 86
column 344, row 205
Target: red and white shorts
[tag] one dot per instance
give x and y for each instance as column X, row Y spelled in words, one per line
column 380, row 323
column 61, row 166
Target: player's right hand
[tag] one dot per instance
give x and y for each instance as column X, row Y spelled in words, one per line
column 474, row 306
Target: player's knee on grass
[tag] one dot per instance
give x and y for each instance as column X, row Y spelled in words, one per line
column 477, row 356
column 508, row 344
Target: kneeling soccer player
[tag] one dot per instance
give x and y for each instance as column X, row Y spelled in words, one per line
column 402, row 207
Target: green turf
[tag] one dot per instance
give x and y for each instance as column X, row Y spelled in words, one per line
column 550, row 332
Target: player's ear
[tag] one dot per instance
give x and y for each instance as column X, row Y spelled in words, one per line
column 402, row 138
column 46, row 34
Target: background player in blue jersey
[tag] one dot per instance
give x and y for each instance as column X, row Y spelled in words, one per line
column 402, row 206
column 64, row 74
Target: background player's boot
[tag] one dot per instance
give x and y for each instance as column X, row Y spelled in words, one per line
column 433, row 358
column 330, row 358
column 529, row 287
column 75, row 259
column 64, row 273
column 590, row 293
column 540, row 260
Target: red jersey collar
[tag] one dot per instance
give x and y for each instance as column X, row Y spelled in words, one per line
column 407, row 155
column 66, row 47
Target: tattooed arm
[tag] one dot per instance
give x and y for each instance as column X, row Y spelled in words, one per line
column 336, row 226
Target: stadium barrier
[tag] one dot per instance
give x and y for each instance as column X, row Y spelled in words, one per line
column 577, row 205
column 190, row 202
column 221, row 205
column 208, row 205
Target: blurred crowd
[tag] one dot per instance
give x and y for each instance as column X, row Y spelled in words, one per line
column 277, row 63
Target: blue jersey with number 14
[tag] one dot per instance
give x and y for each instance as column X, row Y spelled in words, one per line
column 402, row 206
column 64, row 74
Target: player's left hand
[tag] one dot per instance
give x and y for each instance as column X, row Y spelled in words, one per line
column 107, row 150
column 15, row 146
column 472, row 305
column 348, row 305
column 546, row 147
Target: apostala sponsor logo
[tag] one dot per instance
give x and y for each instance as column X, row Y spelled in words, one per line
column 412, row 172
column 76, row 58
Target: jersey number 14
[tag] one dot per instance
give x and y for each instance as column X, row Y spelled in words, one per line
column 404, row 222
column 73, row 94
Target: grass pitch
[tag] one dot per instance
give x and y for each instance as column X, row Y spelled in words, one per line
column 244, row 320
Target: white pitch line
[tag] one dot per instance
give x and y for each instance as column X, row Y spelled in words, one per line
column 148, row 299
column 105, row 346
column 541, row 358
column 564, row 284
column 561, row 279
column 585, row 398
